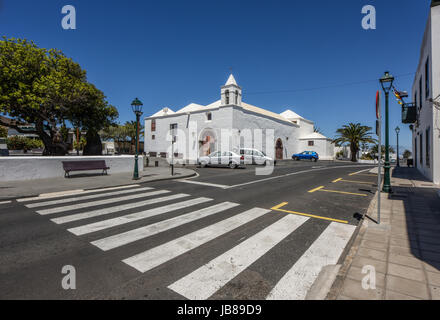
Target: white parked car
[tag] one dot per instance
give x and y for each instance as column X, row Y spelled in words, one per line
column 222, row 158
column 254, row 156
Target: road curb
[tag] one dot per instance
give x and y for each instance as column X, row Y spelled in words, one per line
column 349, row 253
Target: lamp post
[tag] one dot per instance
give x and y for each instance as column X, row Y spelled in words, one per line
column 387, row 83
column 397, row 133
column 136, row 106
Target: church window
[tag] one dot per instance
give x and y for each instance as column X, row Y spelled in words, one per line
column 227, row 96
column 153, row 125
column 208, row 116
column 311, row 143
column 236, row 96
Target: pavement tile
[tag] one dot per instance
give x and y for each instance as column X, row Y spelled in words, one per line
column 435, row 292
column 341, row 297
column 432, row 256
column 405, row 251
column 433, row 278
column 432, row 266
column 428, row 239
column 403, row 243
column 406, row 272
column 392, row 295
column 376, row 237
column 404, row 260
column 372, row 253
column 408, row 287
column 355, row 273
column 360, row 262
column 429, row 247
column 373, row 245
column 353, row 289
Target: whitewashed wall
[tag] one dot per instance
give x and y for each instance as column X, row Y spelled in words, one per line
column 323, row 147
column 429, row 117
column 287, row 132
column 30, row 168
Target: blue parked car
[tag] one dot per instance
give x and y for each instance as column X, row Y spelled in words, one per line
column 307, row 155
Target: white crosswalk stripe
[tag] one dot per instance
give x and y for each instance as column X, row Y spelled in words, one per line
column 95, row 203
column 81, row 198
column 143, row 232
column 152, row 258
column 101, row 225
column 206, row 280
column 104, row 211
column 324, row 251
column 61, row 194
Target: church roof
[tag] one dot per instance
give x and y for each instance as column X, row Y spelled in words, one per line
column 163, row 112
column 263, row 112
column 289, row 114
column 314, row 135
column 231, row 80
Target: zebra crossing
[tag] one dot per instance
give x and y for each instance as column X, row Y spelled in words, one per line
column 107, row 211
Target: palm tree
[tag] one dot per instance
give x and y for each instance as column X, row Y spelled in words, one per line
column 353, row 134
column 317, row 129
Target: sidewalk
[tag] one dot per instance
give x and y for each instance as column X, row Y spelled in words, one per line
column 30, row 188
column 404, row 249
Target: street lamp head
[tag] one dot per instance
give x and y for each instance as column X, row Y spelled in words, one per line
column 386, row 81
column 397, row 130
column 136, row 106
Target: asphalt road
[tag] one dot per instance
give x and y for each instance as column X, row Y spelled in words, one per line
column 225, row 234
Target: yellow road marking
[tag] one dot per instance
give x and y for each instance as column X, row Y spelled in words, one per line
column 277, row 208
column 282, row 204
column 352, row 181
column 343, row 192
column 355, row 181
column 316, row 189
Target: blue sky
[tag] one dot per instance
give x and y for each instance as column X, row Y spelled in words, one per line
column 284, row 54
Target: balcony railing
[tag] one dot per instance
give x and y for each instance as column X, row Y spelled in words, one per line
column 409, row 113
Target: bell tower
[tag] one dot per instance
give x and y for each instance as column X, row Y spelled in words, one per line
column 231, row 93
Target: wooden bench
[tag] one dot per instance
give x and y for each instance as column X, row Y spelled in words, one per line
column 83, row 165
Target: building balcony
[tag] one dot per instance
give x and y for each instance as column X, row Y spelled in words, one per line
column 409, row 113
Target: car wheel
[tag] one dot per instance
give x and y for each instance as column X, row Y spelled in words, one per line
column 315, row 159
column 203, row 164
column 232, row 165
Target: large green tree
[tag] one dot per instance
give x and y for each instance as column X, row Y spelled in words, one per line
column 46, row 88
column 353, row 134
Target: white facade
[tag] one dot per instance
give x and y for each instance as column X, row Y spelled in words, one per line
column 426, row 95
column 228, row 124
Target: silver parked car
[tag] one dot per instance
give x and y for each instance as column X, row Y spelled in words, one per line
column 222, row 158
column 254, row 156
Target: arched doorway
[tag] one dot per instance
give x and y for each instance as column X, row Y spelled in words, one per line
column 279, row 149
column 207, row 142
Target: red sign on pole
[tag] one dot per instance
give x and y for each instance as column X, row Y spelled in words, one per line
column 377, row 104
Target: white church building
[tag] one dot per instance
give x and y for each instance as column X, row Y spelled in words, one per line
column 228, row 124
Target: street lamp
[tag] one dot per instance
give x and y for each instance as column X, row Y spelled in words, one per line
column 136, row 106
column 387, row 83
column 397, row 132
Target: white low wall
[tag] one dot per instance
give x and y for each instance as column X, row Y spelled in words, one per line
column 30, row 168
